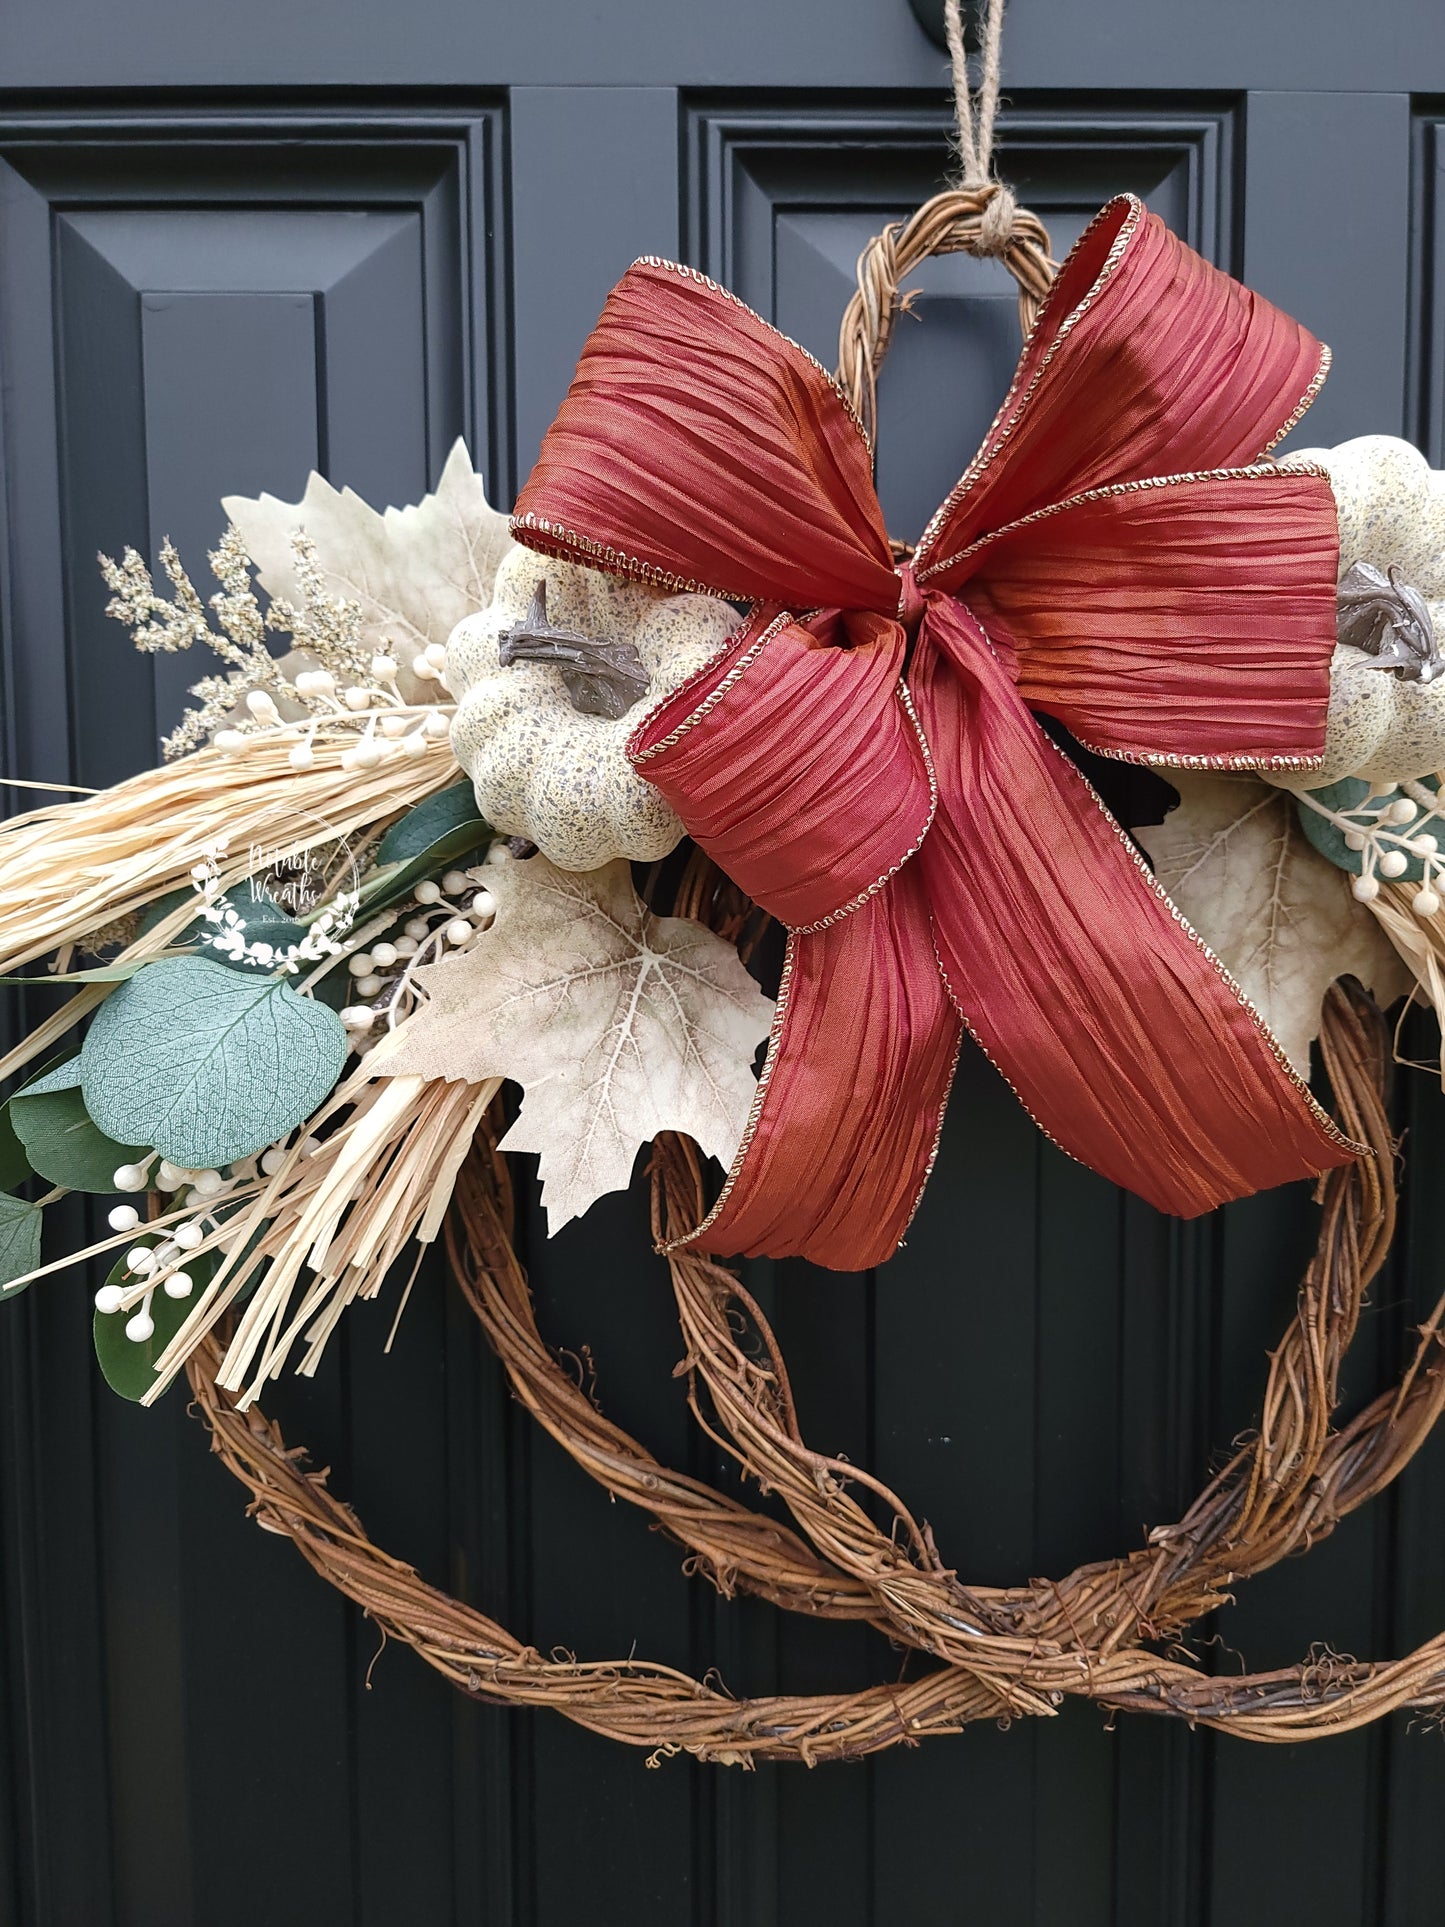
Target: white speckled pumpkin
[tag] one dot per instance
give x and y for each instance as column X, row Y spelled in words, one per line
column 543, row 769
column 1392, row 515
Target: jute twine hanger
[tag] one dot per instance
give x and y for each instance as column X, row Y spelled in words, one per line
column 977, row 215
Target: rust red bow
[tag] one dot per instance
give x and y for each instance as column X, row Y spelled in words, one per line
column 938, row 862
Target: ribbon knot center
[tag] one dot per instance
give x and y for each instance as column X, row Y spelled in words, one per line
column 911, row 603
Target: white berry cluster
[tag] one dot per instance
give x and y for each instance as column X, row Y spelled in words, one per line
column 1388, row 829
column 160, row 1265
column 444, row 916
column 387, row 724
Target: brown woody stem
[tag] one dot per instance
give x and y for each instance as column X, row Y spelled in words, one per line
column 601, row 678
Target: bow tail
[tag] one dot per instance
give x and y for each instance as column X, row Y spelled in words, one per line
column 850, row 1104
column 1120, row 1033
column 798, row 765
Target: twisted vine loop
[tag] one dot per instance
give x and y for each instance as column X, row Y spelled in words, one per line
column 976, row 214
column 979, row 220
column 1002, row 1651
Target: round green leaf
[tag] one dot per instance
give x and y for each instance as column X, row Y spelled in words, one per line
column 63, row 1142
column 130, row 1365
column 208, row 1064
column 62, row 1074
column 14, row 1165
column 19, row 1242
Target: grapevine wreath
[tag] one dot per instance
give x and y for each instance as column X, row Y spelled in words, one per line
column 515, row 802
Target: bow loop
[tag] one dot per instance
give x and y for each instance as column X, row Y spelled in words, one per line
column 797, row 763
column 699, row 449
column 1187, row 619
column 1145, row 360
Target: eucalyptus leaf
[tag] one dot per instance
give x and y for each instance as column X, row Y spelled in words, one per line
column 429, row 838
column 64, row 1076
column 14, row 1165
column 208, row 1064
column 63, row 1142
column 59, row 1074
column 129, row 1364
column 19, row 1242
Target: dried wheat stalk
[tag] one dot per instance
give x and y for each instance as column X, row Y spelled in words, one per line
column 71, row 868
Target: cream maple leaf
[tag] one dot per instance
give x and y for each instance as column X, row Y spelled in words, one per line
column 1277, row 914
column 617, row 1024
column 415, row 572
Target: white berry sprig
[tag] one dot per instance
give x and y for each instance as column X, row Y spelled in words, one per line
column 444, row 915
column 371, row 714
column 1388, row 830
column 160, row 1265
column 158, row 1261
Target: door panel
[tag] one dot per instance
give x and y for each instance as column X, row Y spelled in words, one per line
column 784, row 202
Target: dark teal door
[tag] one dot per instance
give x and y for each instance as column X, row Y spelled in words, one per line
column 240, row 242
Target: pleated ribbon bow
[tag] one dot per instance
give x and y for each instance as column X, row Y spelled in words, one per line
column 862, row 759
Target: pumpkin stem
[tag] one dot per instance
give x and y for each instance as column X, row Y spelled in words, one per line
column 601, row 678
column 1390, row 620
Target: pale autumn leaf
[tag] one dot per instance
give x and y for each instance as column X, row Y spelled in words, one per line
column 1279, row 916
column 414, row 571
column 616, row 1023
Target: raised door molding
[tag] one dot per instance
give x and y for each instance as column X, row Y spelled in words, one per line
column 781, row 201
column 1426, row 362
column 200, row 305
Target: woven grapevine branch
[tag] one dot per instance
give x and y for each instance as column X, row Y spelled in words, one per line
column 1006, row 1651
